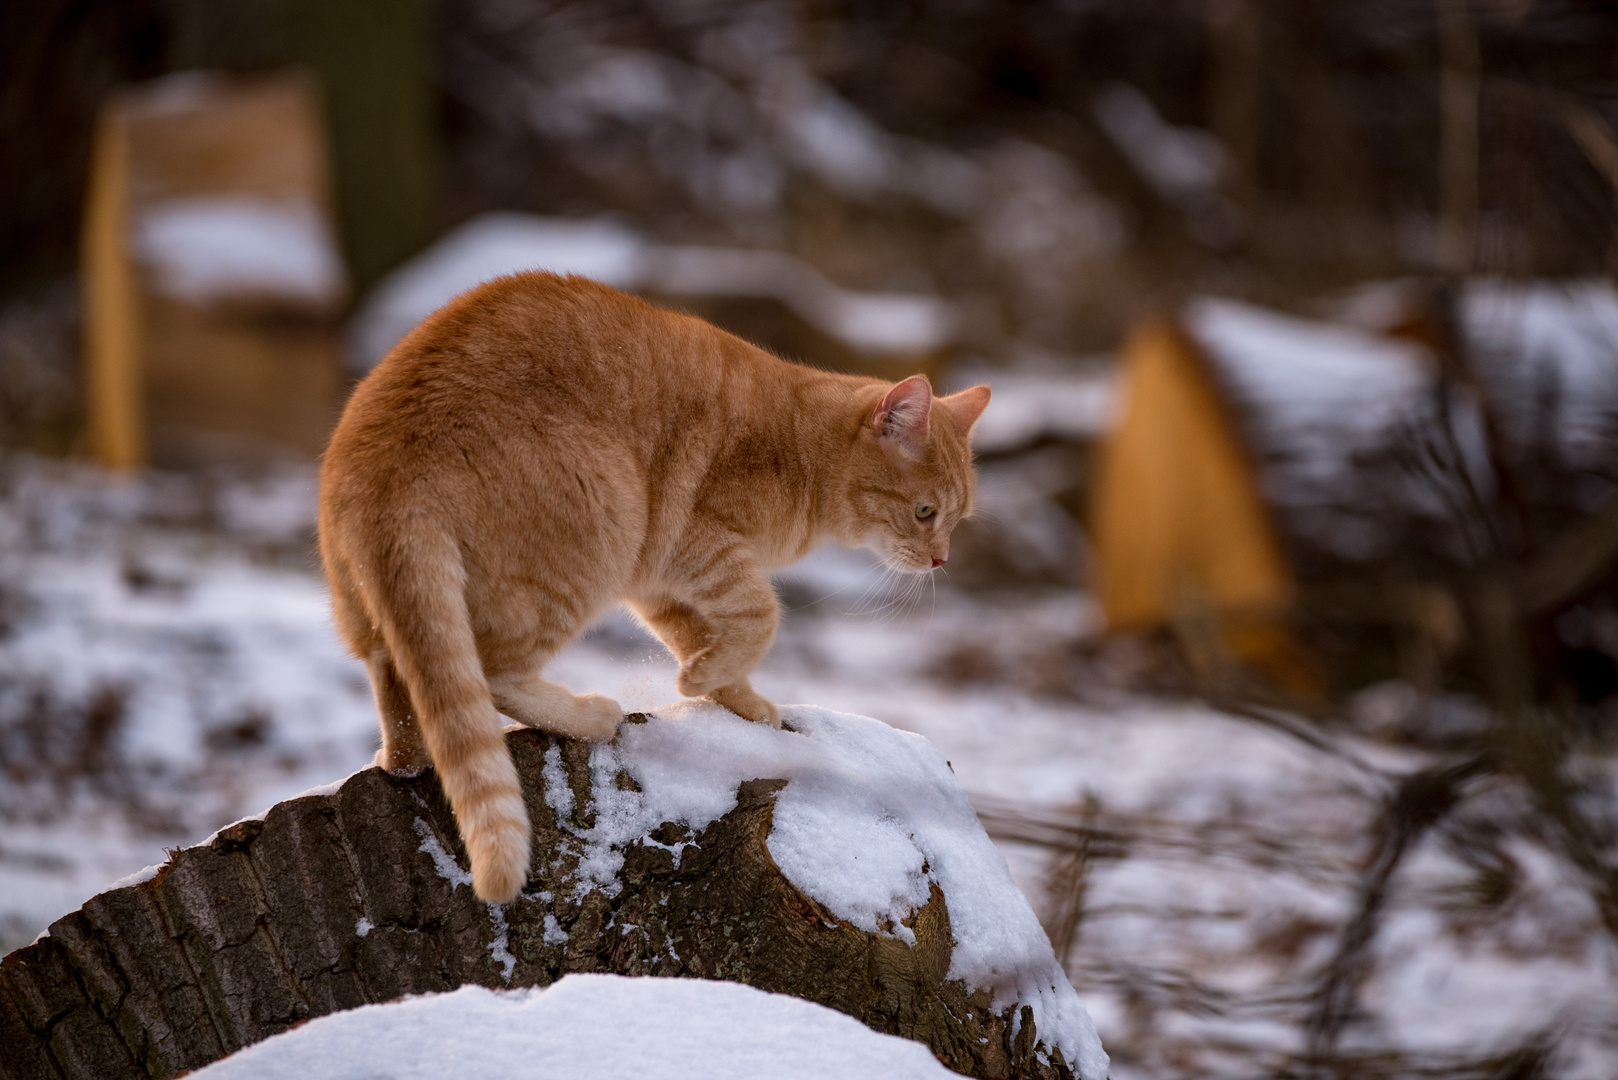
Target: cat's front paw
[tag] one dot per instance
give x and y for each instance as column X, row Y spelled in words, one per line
column 746, row 703
column 596, row 718
column 696, row 681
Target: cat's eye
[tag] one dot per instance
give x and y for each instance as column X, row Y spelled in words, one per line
column 923, row 512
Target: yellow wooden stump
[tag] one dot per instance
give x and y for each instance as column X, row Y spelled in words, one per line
column 1181, row 534
column 186, row 360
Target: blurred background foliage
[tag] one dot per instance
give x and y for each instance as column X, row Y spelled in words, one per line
column 1323, row 166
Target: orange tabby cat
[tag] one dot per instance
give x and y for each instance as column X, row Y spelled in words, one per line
column 543, row 448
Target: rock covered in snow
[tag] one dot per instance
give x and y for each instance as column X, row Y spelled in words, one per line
column 836, row 861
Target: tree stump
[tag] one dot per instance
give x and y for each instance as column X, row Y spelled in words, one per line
column 361, row 895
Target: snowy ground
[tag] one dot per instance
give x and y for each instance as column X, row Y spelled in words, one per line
column 586, row 1026
column 166, row 665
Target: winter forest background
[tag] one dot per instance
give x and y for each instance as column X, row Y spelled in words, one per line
column 1389, row 227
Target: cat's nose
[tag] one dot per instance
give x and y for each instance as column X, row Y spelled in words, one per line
column 937, row 562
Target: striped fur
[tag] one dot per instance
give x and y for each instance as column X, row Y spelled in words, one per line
column 543, row 448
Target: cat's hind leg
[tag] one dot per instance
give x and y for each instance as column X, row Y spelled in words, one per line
column 403, row 752
column 529, row 699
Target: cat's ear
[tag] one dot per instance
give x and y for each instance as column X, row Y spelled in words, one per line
column 901, row 417
column 967, row 406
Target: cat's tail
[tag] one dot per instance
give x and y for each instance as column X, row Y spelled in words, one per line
column 418, row 599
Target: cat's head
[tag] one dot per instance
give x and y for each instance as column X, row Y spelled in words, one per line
column 912, row 480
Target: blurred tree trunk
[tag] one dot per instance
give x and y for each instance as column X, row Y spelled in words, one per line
column 1234, row 45
column 1458, row 81
column 373, row 59
column 58, row 60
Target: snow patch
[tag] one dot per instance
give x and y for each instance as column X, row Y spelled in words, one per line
column 587, row 1026
column 1329, row 390
column 1184, row 164
column 830, row 137
column 558, row 796
column 363, row 927
column 869, row 321
column 497, row 244
column 1178, row 161
column 145, row 874
column 207, row 248
column 500, row 946
column 211, row 837
column 1548, row 347
column 448, row 869
column 1029, row 405
column 488, row 247
column 323, row 789
column 1319, row 396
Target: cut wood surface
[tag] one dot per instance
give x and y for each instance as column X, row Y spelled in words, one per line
column 333, row 900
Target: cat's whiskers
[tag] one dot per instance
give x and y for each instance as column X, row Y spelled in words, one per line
column 913, row 593
column 904, row 601
column 893, row 601
column 875, row 590
column 980, row 514
column 890, row 597
column 843, row 589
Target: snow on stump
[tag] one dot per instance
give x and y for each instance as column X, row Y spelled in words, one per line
column 837, row 861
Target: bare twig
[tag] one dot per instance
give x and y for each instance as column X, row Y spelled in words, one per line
column 1421, row 801
column 1067, row 885
column 1593, row 134
column 1571, row 564
column 1113, row 836
column 1309, row 735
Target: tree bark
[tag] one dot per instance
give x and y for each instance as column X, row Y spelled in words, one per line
column 333, row 901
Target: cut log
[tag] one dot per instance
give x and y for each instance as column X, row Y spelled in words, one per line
column 361, row 894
